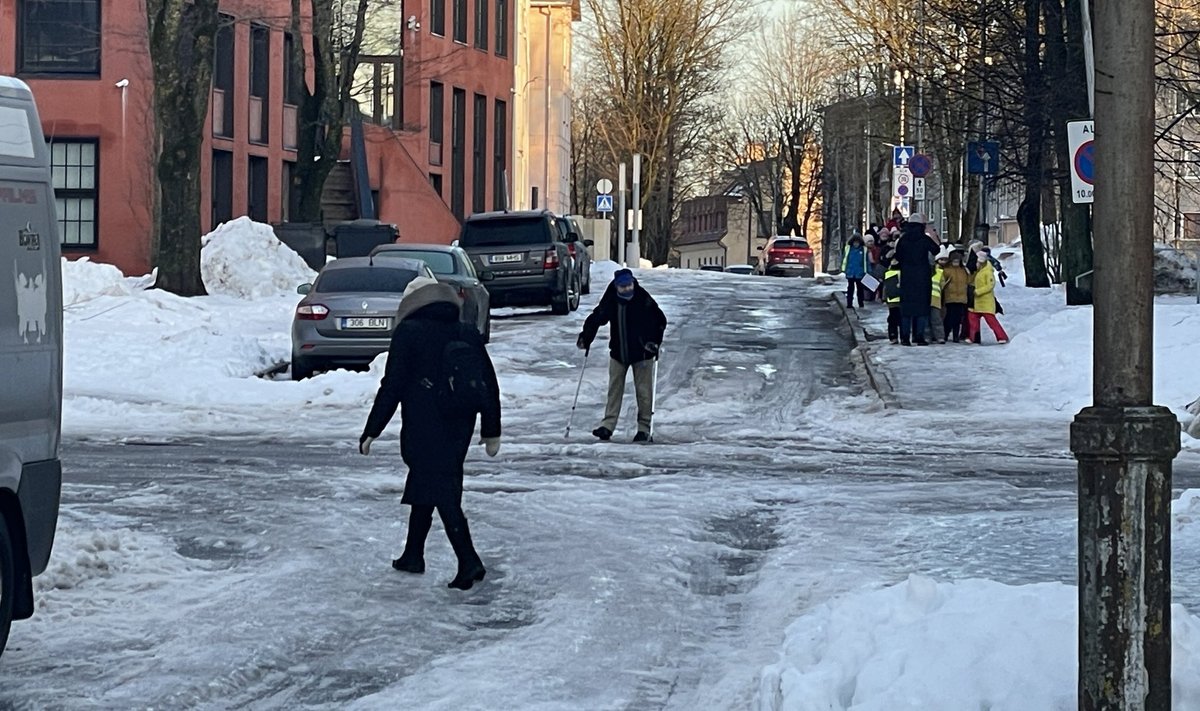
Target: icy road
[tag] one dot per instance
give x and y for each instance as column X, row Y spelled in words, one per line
column 253, row 572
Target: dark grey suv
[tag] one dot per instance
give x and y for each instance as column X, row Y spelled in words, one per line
column 528, row 254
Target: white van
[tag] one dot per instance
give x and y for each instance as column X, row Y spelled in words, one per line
column 31, row 349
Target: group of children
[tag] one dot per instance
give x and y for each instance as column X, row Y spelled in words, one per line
column 963, row 288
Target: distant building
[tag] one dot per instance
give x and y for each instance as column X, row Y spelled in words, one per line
column 438, row 133
column 717, row 231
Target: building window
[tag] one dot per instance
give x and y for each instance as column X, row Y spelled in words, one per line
column 460, row 21
column 502, row 28
column 260, row 83
column 481, row 24
column 257, row 189
column 458, row 162
column 73, row 167
column 437, row 17
column 500, row 156
column 1191, row 225
column 59, row 37
column 222, row 108
column 479, row 156
column 435, row 179
column 290, row 202
column 222, row 187
column 437, row 121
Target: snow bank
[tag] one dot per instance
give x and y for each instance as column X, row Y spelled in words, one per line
column 245, row 260
column 84, row 280
column 1174, row 271
column 971, row 644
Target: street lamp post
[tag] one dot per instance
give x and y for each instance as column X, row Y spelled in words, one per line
column 1123, row 443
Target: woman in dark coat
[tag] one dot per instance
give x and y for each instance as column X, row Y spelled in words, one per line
column 916, row 285
column 433, row 440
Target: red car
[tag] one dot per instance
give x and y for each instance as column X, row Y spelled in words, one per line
column 786, row 256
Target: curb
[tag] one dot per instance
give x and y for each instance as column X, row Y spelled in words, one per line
column 876, row 375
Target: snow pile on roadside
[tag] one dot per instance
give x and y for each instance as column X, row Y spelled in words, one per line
column 245, row 260
column 84, row 280
column 970, row 644
column 1186, row 509
column 1174, row 271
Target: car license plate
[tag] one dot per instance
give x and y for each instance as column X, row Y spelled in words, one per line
column 792, row 261
column 367, row 323
column 506, row 258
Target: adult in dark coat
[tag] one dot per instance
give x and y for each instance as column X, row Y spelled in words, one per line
column 636, row 333
column 433, row 443
column 914, row 251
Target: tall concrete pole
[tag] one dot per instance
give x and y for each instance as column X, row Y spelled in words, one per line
column 635, row 247
column 1123, row 443
column 621, row 215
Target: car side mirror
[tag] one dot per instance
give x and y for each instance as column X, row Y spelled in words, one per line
column 589, row 243
column 487, row 275
column 303, row 289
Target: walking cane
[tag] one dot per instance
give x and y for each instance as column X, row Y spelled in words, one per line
column 654, row 391
column 582, row 370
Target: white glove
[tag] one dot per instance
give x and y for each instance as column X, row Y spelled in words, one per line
column 364, row 445
column 492, row 445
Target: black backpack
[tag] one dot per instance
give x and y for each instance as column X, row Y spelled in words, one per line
column 461, row 385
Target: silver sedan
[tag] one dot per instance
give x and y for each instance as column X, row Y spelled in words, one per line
column 347, row 315
column 452, row 266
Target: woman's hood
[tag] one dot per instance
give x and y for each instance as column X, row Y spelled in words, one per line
column 427, row 294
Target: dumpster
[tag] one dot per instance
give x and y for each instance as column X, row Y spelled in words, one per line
column 358, row 237
column 306, row 239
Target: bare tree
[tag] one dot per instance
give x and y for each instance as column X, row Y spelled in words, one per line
column 336, row 30
column 658, row 62
column 181, row 34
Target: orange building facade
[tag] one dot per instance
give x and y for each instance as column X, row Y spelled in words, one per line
column 87, row 64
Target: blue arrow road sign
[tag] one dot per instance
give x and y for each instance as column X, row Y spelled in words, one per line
column 902, row 154
column 983, row 157
column 604, row 203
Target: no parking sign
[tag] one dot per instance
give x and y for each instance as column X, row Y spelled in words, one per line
column 1080, row 135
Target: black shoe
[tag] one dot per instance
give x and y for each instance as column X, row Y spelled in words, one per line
column 409, row 564
column 603, row 433
column 643, row 437
column 468, row 577
column 906, row 343
column 922, row 343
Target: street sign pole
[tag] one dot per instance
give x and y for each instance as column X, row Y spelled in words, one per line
column 621, row 215
column 634, row 245
column 1123, row 443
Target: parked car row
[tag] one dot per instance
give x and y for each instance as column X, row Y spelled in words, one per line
column 528, row 258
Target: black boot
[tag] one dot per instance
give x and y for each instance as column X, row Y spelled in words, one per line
column 603, row 433
column 412, row 560
column 470, row 567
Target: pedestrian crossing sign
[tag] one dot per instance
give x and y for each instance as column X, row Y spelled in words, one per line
column 604, row 203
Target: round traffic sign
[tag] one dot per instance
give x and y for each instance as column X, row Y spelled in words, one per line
column 920, row 165
column 1085, row 165
column 902, row 190
column 604, row 186
column 902, row 179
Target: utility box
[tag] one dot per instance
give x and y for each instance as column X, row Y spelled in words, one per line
column 306, row 239
column 358, row 237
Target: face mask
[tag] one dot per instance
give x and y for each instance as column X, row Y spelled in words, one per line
column 625, row 291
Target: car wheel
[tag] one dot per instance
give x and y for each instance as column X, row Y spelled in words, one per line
column 573, row 293
column 8, row 583
column 587, row 285
column 302, row 368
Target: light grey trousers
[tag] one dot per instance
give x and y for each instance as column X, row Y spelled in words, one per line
column 643, row 386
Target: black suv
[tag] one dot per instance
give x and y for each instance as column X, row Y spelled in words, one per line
column 529, row 254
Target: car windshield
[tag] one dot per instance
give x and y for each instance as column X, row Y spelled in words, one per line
column 439, row 262
column 503, row 233
column 790, row 244
column 364, row 279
